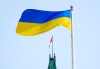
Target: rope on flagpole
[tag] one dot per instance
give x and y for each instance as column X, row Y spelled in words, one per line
column 72, row 47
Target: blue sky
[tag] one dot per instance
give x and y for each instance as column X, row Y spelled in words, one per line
column 21, row 52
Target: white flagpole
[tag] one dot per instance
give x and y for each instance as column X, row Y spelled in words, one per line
column 52, row 46
column 72, row 47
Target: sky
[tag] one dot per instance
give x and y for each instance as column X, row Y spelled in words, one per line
column 32, row 52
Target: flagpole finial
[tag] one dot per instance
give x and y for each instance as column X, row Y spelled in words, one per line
column 71, row 7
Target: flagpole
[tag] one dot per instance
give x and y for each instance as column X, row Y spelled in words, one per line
column 72, row 47
column 52, row 46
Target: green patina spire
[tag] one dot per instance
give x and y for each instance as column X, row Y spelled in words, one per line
column 52, row 62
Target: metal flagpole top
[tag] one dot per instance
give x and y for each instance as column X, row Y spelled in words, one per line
column 71, row 7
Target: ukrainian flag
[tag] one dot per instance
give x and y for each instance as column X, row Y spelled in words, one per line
column 33, row 22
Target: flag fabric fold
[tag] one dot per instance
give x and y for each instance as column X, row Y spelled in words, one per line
column 51, row 40
column 33, row 22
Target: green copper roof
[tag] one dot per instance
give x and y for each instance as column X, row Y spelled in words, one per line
column 52, row 62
